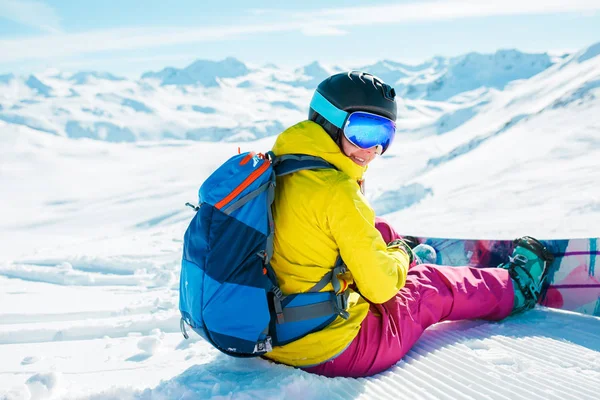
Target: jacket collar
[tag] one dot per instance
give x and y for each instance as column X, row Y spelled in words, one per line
column 307, row 137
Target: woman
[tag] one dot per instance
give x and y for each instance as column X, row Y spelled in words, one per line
column 322, row 214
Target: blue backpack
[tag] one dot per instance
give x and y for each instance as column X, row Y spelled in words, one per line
column 229, row 293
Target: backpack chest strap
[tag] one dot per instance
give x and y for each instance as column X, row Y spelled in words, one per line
column 297, row 315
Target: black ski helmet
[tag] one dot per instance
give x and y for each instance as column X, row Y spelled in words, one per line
column 347, row 92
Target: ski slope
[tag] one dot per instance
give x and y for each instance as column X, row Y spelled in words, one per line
column 91, row 234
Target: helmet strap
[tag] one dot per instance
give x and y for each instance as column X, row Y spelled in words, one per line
column 333, row 131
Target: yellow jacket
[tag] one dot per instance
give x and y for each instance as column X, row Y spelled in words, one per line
column 319, row 214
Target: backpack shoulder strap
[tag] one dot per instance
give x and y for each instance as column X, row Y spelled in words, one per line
column 289, row 163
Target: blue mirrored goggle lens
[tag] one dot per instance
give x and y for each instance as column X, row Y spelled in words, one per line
column 366, row 130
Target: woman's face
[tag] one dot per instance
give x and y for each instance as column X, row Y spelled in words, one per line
column 360, row 156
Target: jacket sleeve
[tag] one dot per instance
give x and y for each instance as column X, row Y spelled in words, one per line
column 378, row 272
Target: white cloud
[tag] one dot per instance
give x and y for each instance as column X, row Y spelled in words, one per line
column 63, row 44
column 445, row 10
column 316, row 23
column 322, row 30
column 31, row 13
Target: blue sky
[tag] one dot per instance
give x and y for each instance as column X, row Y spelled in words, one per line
column 128, row 37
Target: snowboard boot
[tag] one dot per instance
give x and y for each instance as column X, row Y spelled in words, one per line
column 528, row 267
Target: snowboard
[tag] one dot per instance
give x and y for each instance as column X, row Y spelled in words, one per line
column 574, row 274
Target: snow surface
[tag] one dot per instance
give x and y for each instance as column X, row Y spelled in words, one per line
column 91, row 229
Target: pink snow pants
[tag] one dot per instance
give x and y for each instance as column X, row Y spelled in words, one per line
column 432, row 294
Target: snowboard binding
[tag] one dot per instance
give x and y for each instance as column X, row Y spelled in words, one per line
column 528, row 267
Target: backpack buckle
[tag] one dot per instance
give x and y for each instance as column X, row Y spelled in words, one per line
column 269, row 155
column 277, row 305
column 263, row 254
column 278, row 293
column 341, row 304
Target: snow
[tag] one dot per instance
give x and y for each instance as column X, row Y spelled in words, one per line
column 91, row 229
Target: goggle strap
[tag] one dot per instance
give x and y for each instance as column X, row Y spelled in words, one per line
column 330, row 112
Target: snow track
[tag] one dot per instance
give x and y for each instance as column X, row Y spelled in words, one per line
column 545, row 354
column 507, row 360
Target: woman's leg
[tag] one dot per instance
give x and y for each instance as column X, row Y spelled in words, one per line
column 436, row 293
column 432, row 294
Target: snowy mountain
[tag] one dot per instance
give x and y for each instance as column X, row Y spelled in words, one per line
column 228, row 101
column 203, row 72
column 443, row 79
column 311, row 75
column 391, row 72
column 84, row 77
column 91, row 230
column 6, row 78
column 42, row 90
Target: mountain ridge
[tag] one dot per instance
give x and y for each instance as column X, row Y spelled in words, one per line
column 229, row 101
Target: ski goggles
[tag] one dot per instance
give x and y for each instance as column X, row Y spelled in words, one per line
column 362, row 129
column 366, row 130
